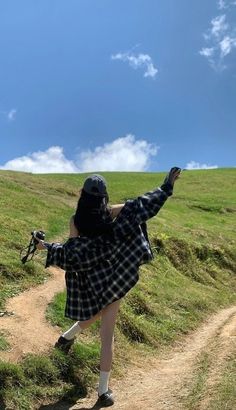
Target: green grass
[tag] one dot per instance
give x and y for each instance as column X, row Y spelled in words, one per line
column 29, row 202
column 4, row 345
column 192, row 275
column 224, row 396
column 199, row 382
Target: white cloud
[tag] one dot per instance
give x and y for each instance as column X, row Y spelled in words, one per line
column 207, row 51
column 51, row 160
column 123, row 154
column 138, row 61
column 11, row 115
column 219, row 26
column 220, row 38
column 196, row 165
column 226, row 45
column 222, row 4
column 225, row 4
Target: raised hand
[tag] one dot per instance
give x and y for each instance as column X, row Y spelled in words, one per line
column 173, row 175
column 170, row 179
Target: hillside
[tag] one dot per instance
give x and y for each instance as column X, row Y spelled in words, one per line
column 193, row 272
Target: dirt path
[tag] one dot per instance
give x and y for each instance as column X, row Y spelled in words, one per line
column 27, row 330
column 163, row 384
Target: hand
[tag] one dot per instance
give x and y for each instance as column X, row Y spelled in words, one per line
column 40, row 245
column 173, row 175
column 170, row 179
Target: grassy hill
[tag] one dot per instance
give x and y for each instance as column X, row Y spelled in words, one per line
column 193, row 272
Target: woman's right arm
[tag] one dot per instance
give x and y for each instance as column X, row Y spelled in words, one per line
column 148, row 205
column 139, row 210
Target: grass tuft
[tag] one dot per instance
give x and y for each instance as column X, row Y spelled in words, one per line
column 225, row 392
column 11, row 375
column 40, row 369
column 4, row 345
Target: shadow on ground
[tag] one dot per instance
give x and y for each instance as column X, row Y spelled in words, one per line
column 63, row 405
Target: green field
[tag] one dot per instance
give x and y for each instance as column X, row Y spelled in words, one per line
column 192, row 275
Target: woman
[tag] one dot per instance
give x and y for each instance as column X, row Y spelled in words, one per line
column 102, row 263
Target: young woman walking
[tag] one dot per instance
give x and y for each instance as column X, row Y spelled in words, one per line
column 101, row 259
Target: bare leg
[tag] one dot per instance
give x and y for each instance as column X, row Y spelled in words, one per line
column 77, row 327
column 108, row 321
column 86, row 323
column 109, row 315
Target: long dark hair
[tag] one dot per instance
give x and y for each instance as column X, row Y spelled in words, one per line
column 93, row 216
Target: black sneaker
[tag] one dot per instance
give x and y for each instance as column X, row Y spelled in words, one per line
column 64, row 344
column 105, row 400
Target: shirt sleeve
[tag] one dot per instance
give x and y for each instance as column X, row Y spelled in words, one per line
column 139, row 210
column 63, row 255
column 71, row 256
column 55, row 255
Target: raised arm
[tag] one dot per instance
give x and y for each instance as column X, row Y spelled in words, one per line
column 139, row 210
column 149, row 204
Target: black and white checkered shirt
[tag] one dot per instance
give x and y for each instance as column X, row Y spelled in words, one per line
column 103, row 269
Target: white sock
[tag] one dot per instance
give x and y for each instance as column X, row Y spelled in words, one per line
column 70, row 334
column 103, row 382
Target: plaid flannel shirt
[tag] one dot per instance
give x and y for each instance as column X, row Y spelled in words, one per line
column 102, row 270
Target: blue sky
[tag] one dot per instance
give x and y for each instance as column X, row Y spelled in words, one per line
column 133, row 85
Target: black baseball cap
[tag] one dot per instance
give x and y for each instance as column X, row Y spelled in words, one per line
column 95, row 185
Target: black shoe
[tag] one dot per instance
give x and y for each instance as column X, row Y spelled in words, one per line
column 64, row 344
column 105, row 400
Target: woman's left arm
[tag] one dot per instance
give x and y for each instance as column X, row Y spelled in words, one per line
column 74, row 233
column 57, row 252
